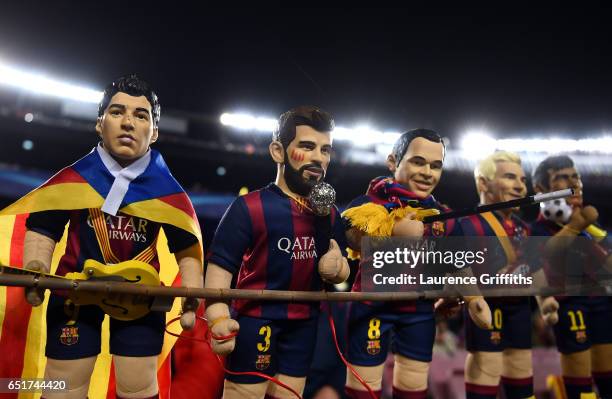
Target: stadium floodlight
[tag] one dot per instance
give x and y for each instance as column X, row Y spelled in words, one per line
column 342, row 133
column 360, row 136
column 364, row 136
column 477, row 144
column 557, row 145
column 42, row 85
column 602, row 145
column 551, row 145
column 249, row 122
column 390, row 138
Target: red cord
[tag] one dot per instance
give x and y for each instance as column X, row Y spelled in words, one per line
column 332, row 326
column 267, row 377
column 210, row 335
column 179, row 335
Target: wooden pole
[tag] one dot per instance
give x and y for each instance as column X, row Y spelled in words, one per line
column 114, row 287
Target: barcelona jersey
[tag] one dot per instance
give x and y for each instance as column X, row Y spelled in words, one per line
column 515, row 228
column 274, row 242
column 511, row 327
column 436, row 229
column 128, row 236
column 583, row 320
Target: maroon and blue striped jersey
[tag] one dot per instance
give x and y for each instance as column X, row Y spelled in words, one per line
column 516, row 229
column 271, row 241
column 477, row 226
column 436, row 229
column 128, row 236
column 585, row 260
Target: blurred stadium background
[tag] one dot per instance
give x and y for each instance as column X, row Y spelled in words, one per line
column 535, row 85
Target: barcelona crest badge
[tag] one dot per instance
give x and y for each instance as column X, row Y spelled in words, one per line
column 69, row 336
column 263, row 362
column 581, row 336
column 373, row 347
column 496, row 337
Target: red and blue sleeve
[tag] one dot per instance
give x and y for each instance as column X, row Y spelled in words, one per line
column 338, row 230
column 233, row 237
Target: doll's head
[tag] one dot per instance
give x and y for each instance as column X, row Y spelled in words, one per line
column 127, row 119
column 500, row 177
column 301, row 147
column 416, row 160
column 558, row 172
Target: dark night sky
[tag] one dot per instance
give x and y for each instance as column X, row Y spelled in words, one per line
column 514, row 72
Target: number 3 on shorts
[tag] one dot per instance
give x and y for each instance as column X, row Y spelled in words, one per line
column 266, row 331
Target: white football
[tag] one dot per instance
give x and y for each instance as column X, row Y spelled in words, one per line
column 556, row 210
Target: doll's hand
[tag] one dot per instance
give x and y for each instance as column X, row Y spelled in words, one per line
column 333, row 267
column 408, row 226
column 583, row 217
column 447, row 307
column 221, row 328
column 479, row 311
column 548, row 309
column 35, row 296
column 188, row 316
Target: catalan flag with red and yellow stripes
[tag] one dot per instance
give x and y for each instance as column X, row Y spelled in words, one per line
column 154, row 195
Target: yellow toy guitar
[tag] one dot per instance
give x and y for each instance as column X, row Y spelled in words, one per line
column 116, row 305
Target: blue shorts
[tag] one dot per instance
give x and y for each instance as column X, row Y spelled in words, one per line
column 511, row 326
column 369, row 329
column 327, row 367
column 67, row 340
column 272, row 347
column 583, row 322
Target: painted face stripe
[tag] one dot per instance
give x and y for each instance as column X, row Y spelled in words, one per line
column 297, row 155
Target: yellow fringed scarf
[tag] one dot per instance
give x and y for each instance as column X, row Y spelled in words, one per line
column 374, row 220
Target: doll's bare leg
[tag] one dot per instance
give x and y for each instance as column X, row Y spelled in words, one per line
column 232, row 390
column 372, row 375
column 278, row 392
column 136, row 376
column 76, row 373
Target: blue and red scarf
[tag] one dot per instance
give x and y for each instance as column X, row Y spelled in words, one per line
column 387, row 192
column 154, row 195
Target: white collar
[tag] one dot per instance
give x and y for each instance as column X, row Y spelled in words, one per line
column 123, row 177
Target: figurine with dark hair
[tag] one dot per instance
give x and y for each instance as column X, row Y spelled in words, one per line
column 115, row 200
column 388, row 209
column 271, row 239
column 583, row 334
